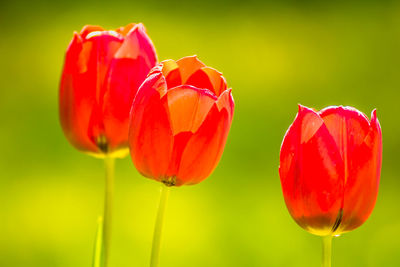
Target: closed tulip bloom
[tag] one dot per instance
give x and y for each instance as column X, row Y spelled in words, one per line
column 330, row 166
column 180, row 121
column 102, row 73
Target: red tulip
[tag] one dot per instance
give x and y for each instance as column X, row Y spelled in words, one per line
column 102, row 73
column 330, row 166
column 180, row 121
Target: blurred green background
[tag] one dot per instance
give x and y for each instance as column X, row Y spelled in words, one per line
column 274, row 55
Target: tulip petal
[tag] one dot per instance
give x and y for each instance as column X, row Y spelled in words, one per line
column 168, row 66
column 84, row 85
column 88, row 29
column 225, row 100
column 311, row 171
column 127, row 72
column 188, row 107
column 150, row 135
column 362, row 184
column 208, row 78
column 125, row 30
column 136, row 44
column 188, row 66
column 204, row 149
column 171, row 72
column 347, row 126
column 73, row 124
column 200, row 79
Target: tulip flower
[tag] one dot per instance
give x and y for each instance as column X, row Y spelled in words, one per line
column 102, row 73
column 180, row 120
column 330, row 164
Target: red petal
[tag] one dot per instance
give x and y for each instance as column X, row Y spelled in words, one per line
column 150, row 134
column 311, row 172
column 363, row 178
column 138, row 43
column 82, row 89
column 126, row 73
column 347, row 126
column 209, row 78
column 200, row 79
column 204, row 149
column 124, row 79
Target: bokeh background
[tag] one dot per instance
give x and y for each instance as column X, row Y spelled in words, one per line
column 274, row 56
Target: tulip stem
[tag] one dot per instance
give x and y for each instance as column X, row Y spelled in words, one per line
column 108, row 200
column 155, row 251
column 326, row 251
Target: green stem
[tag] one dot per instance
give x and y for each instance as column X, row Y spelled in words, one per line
column 326, row 251
column 155, row 251
column 108, row 200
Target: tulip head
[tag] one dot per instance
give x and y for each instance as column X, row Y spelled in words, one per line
column 330, row 164
column 180, row 120
column 102, row 73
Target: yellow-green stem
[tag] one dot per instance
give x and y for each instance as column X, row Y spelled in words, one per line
column 108, row 200
column 326, row 251
column 155, row 251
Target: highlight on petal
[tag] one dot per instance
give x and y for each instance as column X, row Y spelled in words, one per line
column 138, row 46
column 88, row 29
column 311, row 123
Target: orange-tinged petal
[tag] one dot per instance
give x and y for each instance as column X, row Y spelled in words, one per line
column 188, row 66
column 217, row 80
column 188, row 107
column 225, row 100
column 171, row 73
column 88, row 29
column 125, row 30
column 168, row 66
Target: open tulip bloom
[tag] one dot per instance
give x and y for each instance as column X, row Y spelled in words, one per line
column 330, row 164
column 179, row 124
column 102, row 73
